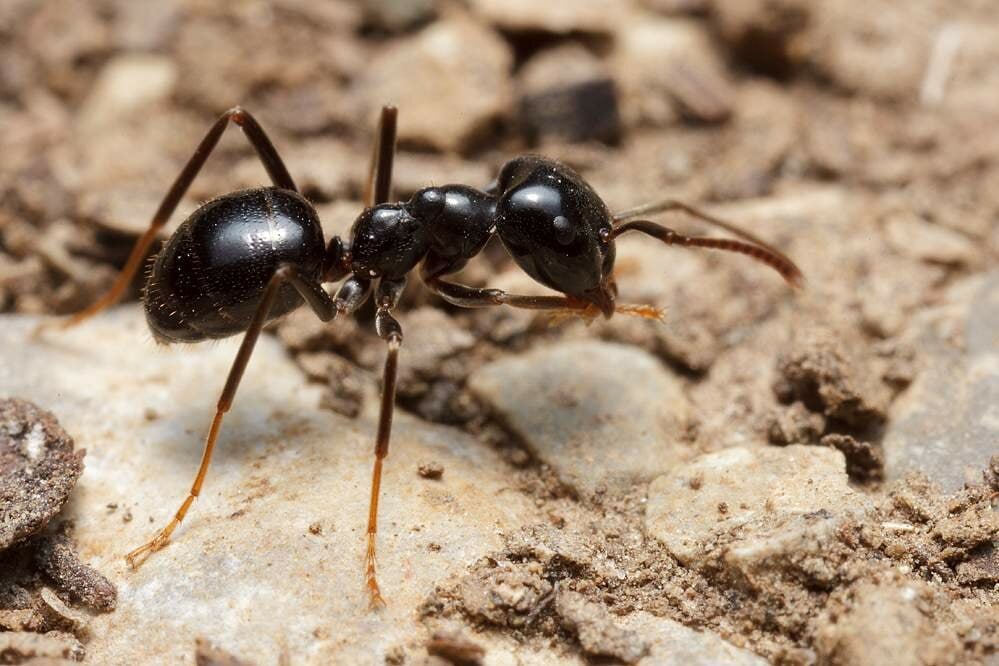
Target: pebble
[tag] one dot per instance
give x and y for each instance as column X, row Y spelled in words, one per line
column 127, row 83
column 669, row 66
column 420, row 73
column 38, row 468
column 748, row 500
column 914, row 237
column 559, row 18
column 567, row 93
column 884, row 624
column 946, row 424
column 599, row 414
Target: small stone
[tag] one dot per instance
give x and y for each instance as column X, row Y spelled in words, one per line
column 62, row 615
column 431, row 337
column 672, row 644
column 24, row 647
column 316, row 528
column 667, row 63
column 566, row 93
column 455, row 648
column 599, row 414
column 763, row 488
column 597, row 632
column 914, row 237
column 764, row 34
column 827, row 376
column 38, row 469
column 795, row 425
column 558, row 18
column 430, row 470
column 397, row 15
column 865, row 461
column 57, row 557
column 883, row 624
column 125, row 84
column 946, row 424
column 421, row 72
column 208, row 654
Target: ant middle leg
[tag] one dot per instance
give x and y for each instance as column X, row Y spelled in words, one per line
column 351, row 295
column 389, row 330
column 268, row 156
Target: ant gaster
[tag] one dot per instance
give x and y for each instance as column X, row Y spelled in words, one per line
column 243, row 259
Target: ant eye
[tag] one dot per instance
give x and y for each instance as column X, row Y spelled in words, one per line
column 605, row 234
column 565, row 232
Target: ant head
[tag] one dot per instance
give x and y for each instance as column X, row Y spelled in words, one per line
column 557, row 229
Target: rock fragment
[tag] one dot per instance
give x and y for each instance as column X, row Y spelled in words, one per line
column 422, row 70
column 21, row 647
column 598, row 634
column 750, row 499
column 883, row 623
column 57, row 557
column 668, row 66
column 821, row 372
column 599, row 414
column 945, row 425
column 559, row 18
column 566, row 93
column 38, row 469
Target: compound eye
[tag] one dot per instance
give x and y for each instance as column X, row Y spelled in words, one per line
column 565, row 231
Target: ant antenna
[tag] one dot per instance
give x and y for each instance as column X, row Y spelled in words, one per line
column 755, row 247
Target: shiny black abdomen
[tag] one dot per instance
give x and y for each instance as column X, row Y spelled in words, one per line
column 207, row 280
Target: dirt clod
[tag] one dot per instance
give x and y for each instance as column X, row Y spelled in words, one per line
column 596, row 631
column 57, row 557
column 430, row 470
column 38, row 469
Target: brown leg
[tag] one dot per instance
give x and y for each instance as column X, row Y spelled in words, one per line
column 325, row 307
column 268, row 155
column 390, row 331
column 379, row 186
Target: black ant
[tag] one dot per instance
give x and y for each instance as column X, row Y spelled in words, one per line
column 246, row 258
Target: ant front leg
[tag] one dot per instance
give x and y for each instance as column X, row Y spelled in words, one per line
column 351, row 295
column 464, row 296
column 389, row 330
column 268, row 156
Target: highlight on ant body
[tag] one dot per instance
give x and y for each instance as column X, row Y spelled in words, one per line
column 248, row 257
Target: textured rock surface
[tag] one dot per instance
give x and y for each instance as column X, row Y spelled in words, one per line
column 947, row 424
column 584, row 409
column 744, row 499
column 246, row 570
column 419, row 75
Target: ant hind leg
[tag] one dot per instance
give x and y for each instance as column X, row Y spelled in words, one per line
column 268, row 156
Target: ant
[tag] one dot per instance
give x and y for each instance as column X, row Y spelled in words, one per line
column 249, row 257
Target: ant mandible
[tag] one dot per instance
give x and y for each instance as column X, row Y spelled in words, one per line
column 246, row 258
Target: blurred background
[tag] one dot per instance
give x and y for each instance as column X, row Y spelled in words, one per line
column 712, row 100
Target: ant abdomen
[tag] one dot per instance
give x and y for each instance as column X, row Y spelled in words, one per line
column 207, row 280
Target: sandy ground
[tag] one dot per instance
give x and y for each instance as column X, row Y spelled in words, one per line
column 805, row 476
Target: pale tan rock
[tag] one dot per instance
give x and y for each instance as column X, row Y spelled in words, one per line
column 420, row 74
column 669, row 66
column 554, row 17
column 737, row 498
column 244, row 570
column 584, row 408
